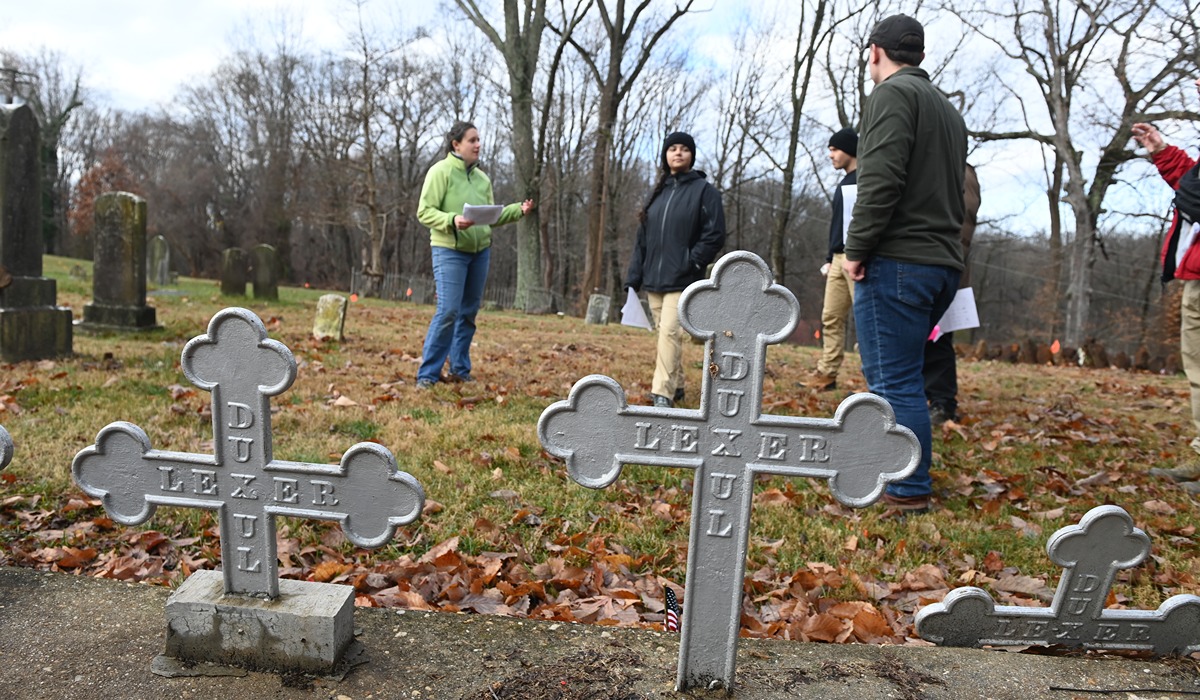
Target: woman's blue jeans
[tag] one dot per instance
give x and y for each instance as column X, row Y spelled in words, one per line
column 896, row 306
column 460, row 278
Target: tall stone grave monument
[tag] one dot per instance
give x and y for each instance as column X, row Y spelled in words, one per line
column 158, row 262
column 119, row 274
column 266, row 272
column 31, row 326
column 1091, row 554
column 727, row 442
column 233, row 272
column 245, row 615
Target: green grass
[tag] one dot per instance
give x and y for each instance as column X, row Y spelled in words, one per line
column 1031, row 435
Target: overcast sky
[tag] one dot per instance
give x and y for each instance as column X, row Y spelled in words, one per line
column 136, row 54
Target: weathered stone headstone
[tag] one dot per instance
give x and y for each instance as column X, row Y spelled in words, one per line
column 31, row 326
column 597, row 309
column 233, row 272
column 245, row 615
column 330, row 321
column 119, row 273
column 728, row 441
column 158, row 262
column 1092, row 552
column 266, row 272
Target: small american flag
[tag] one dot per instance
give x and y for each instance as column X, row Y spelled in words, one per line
column 673, row 611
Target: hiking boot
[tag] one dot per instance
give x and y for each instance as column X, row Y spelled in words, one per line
column 425, row 383
column 662, row 401
column 458, row 378
column 1188, row 472
column 679, row 394
column 907, row 505
column 821, row 382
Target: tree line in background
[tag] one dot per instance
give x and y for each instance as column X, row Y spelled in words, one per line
column 322, row 154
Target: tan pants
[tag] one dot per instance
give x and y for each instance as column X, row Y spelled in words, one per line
column 835, row 317
column 1189, row 348
column 668, row 366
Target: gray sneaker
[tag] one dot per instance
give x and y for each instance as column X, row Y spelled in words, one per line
column 662, row 402
column 1187, row 472
column 424, row 384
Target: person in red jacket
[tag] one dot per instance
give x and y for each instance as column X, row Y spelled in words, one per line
column 1181, row 261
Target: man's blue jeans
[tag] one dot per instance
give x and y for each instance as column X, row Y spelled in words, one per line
column 460, row 278
column 896, row 305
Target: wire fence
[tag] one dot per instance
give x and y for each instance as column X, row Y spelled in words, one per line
column 421, row 289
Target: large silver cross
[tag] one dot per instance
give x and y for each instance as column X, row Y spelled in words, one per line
column 727, row 442
column 1092, row 552
column 242, row 368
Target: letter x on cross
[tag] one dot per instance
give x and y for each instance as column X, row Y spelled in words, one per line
column 727, row 442
column 242, row 481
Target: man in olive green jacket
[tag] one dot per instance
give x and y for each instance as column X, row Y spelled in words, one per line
column 902, row 249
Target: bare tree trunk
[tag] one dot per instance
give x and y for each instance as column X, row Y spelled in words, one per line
column 614, row 86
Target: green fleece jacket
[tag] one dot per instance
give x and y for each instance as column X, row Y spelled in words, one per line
column 449, row 185
column 912, row 155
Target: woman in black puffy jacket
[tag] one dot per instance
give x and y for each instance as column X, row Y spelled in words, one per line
column 682, row 230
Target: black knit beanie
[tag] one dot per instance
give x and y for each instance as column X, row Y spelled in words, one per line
column 845, row 140
column 674, row 138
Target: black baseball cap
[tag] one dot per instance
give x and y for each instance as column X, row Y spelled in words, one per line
column 898, row 33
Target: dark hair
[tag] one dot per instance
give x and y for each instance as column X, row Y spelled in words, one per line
column 663, row 174
column 907, row 58
column 457, row 133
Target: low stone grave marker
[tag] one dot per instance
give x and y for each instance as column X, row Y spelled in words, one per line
column 330, row 321
column 158, row 261
column 246, row 615
column 597, row 309
column 266, row 272
column 728, row 441
column 1092, row 552
column 233, row 272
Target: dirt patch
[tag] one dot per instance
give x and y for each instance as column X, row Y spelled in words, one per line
column 907, row 679
column 585, row 675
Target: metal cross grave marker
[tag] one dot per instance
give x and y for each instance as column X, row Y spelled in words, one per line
column 6, row 447
column 242, row 368
column 1092, row 552
column 727, row 442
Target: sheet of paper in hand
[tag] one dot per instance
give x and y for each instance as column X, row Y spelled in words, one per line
column 482, row 214
column 632, row 314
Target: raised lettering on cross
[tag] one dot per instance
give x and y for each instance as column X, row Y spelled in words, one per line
column 1092, row 552
column 242, row 481
column 727, row 442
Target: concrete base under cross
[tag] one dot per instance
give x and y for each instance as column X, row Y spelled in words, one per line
column 307, row 628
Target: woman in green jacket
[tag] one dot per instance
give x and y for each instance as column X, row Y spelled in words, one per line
column 461, row 252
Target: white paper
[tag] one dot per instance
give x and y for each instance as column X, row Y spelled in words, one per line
column 961, row 315
column 632, row 314
column 482, row 214
column 849, row 197
column 1185, row 241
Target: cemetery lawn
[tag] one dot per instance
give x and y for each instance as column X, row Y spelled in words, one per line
column 505, row 530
